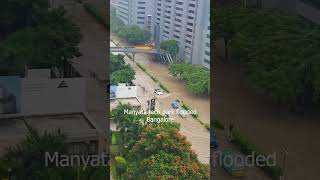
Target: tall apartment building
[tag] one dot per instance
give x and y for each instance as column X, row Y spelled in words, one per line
column 187, row 22
column 137, row 12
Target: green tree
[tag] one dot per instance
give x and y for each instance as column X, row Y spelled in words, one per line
column 155, row 150
column 279, row 56
column 48, row 45
column 27, row 159
column 117, row 62
column 171, row 46
column 17, row 14
column 124, row 75
column 196, row 77
column 121, row 165
column 133, row 34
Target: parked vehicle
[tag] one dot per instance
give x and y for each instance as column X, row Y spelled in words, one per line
column 213, row 139
column 175, row 105
column 158, row 92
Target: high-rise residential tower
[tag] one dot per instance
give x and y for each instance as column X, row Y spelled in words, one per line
column 185, row 21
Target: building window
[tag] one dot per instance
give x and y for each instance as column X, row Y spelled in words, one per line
column 190, row 17
column 189, row 30
column 208, row 44
column 141, row 2
column 179, row 9
column 207, row 53
column 192, row 5
column 206, row 61
column 191, row 11
column 178, row 20
column 190, row 24
column 141, row 7
column 179, row 3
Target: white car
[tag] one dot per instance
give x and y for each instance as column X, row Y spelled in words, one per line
column 158, row 92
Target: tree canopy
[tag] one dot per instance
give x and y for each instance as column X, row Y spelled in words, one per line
column 156, row 150
column 171, row 46
column 48, row 42
column 120, row 71
column 27, row 159
column 280, row 52
column 197, row 78
column 132, row 34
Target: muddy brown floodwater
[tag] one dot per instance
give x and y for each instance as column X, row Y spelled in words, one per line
column 177, row 87
column 271, row 127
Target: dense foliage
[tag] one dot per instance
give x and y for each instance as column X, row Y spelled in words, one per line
column 156, row 150
column 39, row 37
column 280, row 52
column 197, row 78
column 132, row 34
column 171, row 46
column 27, row 160
column 120, row 71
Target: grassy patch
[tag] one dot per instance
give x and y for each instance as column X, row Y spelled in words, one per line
column 247, row 148
column 97, row 15
column 141, row 67
column 164, row 88
column 196, row 116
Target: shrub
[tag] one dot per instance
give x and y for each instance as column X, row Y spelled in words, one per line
column 121, row 165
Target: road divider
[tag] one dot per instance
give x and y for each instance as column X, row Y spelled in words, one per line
column 153, row 78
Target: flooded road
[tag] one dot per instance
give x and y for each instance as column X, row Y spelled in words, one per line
column 191, row 128
column 271, row 127
column 177, row 87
